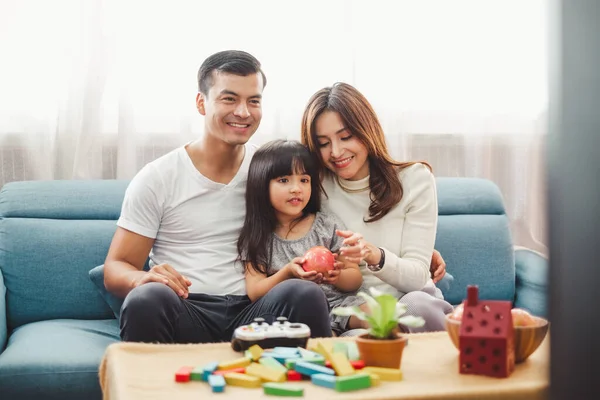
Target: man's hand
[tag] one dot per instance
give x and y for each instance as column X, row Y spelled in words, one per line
column 437, row 266
column 164, row 273
column 295, row 269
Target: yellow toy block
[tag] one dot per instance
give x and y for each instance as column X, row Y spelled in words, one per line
column 255, row 351
column 341, row 365
column 375, row 379
column 265, row 373
column 237, row 363
column 386, row 374
column 325, row 349
column 243, row 380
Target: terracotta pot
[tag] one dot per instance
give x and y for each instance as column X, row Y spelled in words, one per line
column 381, row 353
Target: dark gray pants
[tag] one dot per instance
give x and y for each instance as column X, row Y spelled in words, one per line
column 153, row 313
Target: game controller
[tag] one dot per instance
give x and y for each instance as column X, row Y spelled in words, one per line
column 280, row 333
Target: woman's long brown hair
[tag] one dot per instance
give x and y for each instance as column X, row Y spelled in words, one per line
column 361, row 120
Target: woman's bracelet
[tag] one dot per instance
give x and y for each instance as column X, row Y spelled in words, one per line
column 378, row 267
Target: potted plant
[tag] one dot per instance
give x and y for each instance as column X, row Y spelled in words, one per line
column 382, row 346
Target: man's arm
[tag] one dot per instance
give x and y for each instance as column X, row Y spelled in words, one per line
column 124, row 263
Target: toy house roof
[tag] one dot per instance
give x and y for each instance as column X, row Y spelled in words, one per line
column 486, row 318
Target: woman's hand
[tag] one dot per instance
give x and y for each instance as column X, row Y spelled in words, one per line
column 295, row 269
column 355, row 249
column 437, row 267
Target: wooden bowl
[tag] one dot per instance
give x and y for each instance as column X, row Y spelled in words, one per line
column 527, row 338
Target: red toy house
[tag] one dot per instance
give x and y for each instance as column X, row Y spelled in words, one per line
column 486, row 337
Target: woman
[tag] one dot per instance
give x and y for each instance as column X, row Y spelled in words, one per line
column 389, row 208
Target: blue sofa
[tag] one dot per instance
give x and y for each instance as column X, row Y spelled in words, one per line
column 55, row 325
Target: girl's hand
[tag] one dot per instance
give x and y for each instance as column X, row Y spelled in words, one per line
column 296, row 271
column 356, row 249
column 333, row 276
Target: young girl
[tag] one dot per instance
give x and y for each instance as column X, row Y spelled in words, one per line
column 284, row 220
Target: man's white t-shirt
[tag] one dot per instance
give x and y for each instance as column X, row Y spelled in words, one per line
column 195, row 222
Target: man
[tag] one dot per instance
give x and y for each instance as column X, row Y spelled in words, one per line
column 185, row 210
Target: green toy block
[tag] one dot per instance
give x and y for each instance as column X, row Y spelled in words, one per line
column 340, row 347
column 290, row 363
column 352, row 382
column 197, row 374
column 272, row 363
column 352, row 350
column 283, row 389
column 307, row 353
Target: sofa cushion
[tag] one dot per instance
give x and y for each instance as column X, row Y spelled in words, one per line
column 115, row 303
column 41, row 258
column 55, row 359
column 478, row 251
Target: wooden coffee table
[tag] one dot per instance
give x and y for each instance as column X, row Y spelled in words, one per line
column 429, row 364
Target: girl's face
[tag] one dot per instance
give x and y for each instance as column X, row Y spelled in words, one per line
column 342, row 153
column 289, row 195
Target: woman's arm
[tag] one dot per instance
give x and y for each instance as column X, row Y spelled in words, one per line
column 258, row 284
column 409, row 270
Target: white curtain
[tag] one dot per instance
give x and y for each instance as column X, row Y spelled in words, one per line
column 94, row 89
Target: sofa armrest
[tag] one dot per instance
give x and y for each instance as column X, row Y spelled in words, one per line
column 531, row 281
column 3, row 330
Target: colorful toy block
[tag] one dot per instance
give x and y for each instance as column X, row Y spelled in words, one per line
column 265, row 373
column 243, row 380
column 240, row 370
column 279, row 357
column 352, row 349
column 270, row 362
column 358, row 364
column 325, row 349
column 281, row 389
column 375, row 379
column 197, row 374
column 183, row 374
column 341, row 365
column 352, row 382
column 340, row 347
column 237, row 363
column 290, row 363
column 217, row 383
column 307, row 353
column 255, row 352
column 294, row 375
column 324, row 380
column 208, row 369
column 307, row 368
column 289, row 351
column 386, row 374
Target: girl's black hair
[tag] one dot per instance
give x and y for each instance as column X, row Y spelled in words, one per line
column 272, row 160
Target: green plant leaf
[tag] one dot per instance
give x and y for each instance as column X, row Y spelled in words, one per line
column 412, row 321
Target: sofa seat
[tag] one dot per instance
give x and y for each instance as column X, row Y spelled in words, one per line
column 55, row 359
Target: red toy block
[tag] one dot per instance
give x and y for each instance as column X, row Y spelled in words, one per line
column 486, row 338
column 183, row 374
column 293, row 375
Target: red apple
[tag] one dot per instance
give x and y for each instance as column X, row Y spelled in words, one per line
column 522, row 318
column 318, row 258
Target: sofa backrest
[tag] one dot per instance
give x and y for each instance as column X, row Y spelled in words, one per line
column 474, row 238
column 51, row 234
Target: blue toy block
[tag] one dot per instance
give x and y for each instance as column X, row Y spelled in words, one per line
column 324, row 380
column 217, row 383
column 208, row 370
column 306, row 368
